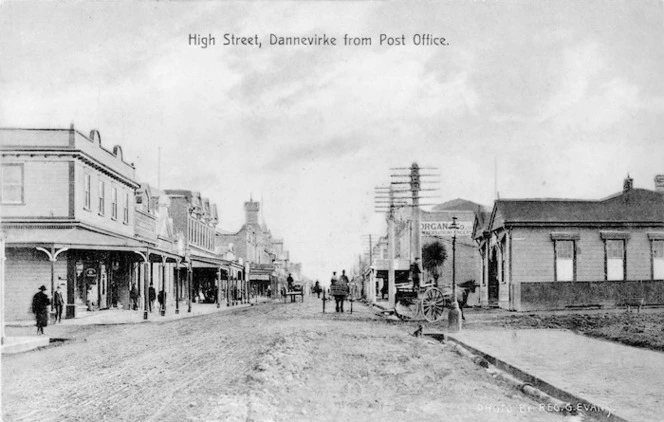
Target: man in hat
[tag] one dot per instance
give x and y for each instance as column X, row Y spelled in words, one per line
column 340, row 290
column 40, row 304
column 290, row 282
column 152, row 295
column 58, row 303
column 415, row 272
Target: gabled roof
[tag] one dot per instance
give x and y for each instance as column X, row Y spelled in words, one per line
column 481, row 223
column 633, row 206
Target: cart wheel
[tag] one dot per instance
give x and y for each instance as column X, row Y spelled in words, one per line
column 407, row 308
column 433, row 303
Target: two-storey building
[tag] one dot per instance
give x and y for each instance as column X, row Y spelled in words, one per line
column 68, row 215
column 210, row 275
column 268, row 262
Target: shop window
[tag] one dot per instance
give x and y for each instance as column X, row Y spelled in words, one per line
column 114, row 203
column 102, row 197
column 87, row 186
column 564, row 251
column 615, row 259
column 12, row 184
column 658, row 259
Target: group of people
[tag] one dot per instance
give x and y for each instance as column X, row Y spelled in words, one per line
column 339, row 288
column 152, row 295
column 40, row 304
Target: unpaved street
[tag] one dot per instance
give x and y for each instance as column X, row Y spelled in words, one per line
column 280, row 362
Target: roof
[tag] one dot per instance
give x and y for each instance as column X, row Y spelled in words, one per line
column 634, row 206
column 459, row 205
column 71, row 237
column 481, row 223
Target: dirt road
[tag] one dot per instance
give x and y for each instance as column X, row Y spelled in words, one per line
column 280, row 362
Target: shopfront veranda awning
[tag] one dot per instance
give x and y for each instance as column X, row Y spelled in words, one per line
column 72, row 238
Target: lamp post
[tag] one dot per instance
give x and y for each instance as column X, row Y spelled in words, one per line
column 453, row 320
column 187, row 259
column 178, row 278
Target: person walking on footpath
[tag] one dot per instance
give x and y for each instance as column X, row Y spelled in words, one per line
column 40, row 304
column 59, row 303
column 152, row 295
column 161, row 297
column 415, row 272
column 339, row 290
column 133, row 296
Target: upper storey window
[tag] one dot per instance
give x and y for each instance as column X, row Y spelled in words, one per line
column 12, row 184
column 102, row 197
column 87, row 186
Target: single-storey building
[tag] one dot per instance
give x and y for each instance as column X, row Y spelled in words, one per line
column 559, row 253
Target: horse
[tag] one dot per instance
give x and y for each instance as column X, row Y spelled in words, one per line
column 462, row 292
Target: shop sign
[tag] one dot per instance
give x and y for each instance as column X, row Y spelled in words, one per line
column 442, row 228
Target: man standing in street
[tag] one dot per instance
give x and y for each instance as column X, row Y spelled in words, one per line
column 290, row 281
column 339, row 290
column 415, row 272
column 59, row 303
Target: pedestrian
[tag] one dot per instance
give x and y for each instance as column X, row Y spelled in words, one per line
column 415, row 272
column 340, row 290
column 317, row 289
column 161, row 298
column 59, row 303
column 152, row 295
column 290, row 281
column 333, row 281
column 40, row 304
column 133, row 296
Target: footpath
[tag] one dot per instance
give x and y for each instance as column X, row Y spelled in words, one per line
column 595, row 376
column 19, row 336
column 606, row 380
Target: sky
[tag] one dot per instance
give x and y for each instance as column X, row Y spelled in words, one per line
column 532, row 99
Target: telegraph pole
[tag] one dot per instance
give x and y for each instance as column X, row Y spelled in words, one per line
column 414, row 178
column 394, row 196
column 388, row 207
column 415, row 192
column 367, row 242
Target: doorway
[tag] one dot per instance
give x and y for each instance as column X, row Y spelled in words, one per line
column 493, row 278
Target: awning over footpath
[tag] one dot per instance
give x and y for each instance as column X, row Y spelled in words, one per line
column 202, row 261
column 72, row 238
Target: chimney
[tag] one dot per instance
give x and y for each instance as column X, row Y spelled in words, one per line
column 659, row 183
column 628, row 184
column 251, row 209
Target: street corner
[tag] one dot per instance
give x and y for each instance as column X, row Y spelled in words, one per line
column 13, row 345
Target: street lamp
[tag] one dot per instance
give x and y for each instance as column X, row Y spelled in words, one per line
column 453, row 320
column 454, row 226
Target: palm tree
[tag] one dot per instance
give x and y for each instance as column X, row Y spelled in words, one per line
column 433, row 256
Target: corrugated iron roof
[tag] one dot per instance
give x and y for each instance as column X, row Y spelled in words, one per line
column 635, row 206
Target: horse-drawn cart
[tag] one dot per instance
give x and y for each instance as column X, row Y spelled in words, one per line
column 429, row 301
column 426, row 302
column 295, row 291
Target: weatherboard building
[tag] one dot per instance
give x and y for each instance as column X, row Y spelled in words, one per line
column 559, row 253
